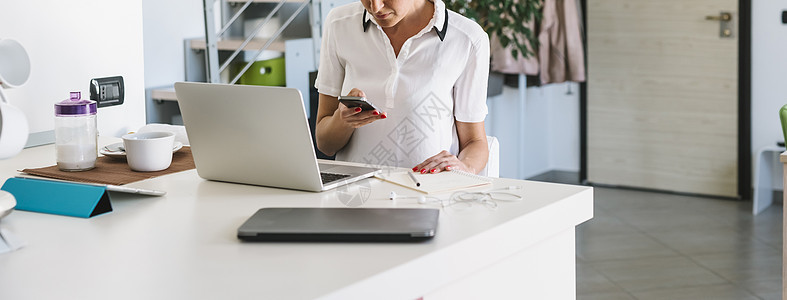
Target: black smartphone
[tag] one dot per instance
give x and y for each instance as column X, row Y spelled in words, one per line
column 353, row 102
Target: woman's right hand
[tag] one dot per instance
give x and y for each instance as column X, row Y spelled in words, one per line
column 356, row 117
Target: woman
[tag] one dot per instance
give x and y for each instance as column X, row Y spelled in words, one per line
column 423, row 66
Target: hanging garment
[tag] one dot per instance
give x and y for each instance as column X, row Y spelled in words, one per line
column 504, row 62
column 560, row 56
column 561, row 53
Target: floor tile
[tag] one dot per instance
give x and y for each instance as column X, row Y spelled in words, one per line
column 770, row 236
column 620, row 246
column 773, row 296
column 766, row 226
column 746, row 266
column 622, row 200
column 649, row 245
column 603, row 224
column 591, row 282
column 715, row 292
column 606, row 296
column 695, row 241
column 766, row 289
column 657, row 273
column 665, row 220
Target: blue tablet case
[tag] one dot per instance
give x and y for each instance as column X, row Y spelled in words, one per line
column 60, row 198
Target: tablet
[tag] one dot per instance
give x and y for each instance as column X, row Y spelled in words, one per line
column 310, row 224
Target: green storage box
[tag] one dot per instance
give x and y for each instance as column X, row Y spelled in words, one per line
column 264, row 72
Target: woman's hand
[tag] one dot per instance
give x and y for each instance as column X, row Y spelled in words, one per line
column 336, row 122
column 473, row 152
column 356, row 117
column 443, row 161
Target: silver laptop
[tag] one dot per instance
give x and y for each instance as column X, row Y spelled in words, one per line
column 256, row 135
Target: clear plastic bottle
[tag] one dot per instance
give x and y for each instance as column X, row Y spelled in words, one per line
column 76, row 136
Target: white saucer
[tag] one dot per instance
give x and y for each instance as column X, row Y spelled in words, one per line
column 116, row 149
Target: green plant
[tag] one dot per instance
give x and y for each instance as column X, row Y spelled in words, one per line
column 508, row 19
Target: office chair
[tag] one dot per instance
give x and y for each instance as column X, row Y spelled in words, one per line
column 492, row 168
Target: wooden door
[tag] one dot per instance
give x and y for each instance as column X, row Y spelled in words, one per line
column 662, row 95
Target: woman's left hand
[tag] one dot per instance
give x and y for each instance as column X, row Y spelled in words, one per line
column 443, row 161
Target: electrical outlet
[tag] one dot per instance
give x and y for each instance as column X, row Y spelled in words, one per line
column 107, row 91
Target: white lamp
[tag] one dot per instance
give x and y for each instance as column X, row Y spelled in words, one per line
column 14, row 71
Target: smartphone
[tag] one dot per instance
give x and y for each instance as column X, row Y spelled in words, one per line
column 353, row 102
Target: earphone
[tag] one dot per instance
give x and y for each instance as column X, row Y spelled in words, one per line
column 488, row 198
column 420, row 198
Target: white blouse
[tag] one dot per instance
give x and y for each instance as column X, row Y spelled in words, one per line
column 433, row 82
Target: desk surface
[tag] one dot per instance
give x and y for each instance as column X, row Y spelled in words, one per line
column 183, row 245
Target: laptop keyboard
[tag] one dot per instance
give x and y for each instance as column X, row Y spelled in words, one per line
column 331, row 177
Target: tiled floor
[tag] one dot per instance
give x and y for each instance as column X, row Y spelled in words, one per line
column 645, row 245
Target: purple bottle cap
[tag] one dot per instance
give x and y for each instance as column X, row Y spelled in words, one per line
column 75, row 106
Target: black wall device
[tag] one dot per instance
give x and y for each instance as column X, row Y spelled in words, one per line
column 107, row 91
column 784, row 17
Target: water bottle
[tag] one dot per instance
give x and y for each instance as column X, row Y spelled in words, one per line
column 76, row 136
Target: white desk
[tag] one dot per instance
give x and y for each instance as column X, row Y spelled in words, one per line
column 183, row 246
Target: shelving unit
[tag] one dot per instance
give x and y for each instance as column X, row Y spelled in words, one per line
column 233, row 44
column 208, row 58
column 164, row 94
column 214, row 34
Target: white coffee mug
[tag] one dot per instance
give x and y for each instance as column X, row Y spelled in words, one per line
column 14, row 64
column 149, row 151
column 13, row 130
column 14, row 71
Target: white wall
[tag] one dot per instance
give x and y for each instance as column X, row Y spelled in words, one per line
column 768, row 75
column 537, row 134
column 71, row 42
column 166, row 24
column 564, row 126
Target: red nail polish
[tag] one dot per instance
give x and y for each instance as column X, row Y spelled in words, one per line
column 382, row 117
column 423, row 171
column 357, row 109
column 433, row 170
column 375, row 113
column 415, row 169
column 448, row 168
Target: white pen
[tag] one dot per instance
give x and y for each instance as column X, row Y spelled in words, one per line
column 414, row 179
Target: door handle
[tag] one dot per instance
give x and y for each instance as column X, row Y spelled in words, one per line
column 725, row 23
column 724, row 17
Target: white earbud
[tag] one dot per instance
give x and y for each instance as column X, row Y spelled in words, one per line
column 393, row 196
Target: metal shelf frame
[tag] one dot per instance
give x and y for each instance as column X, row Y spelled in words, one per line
column 213, row 67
